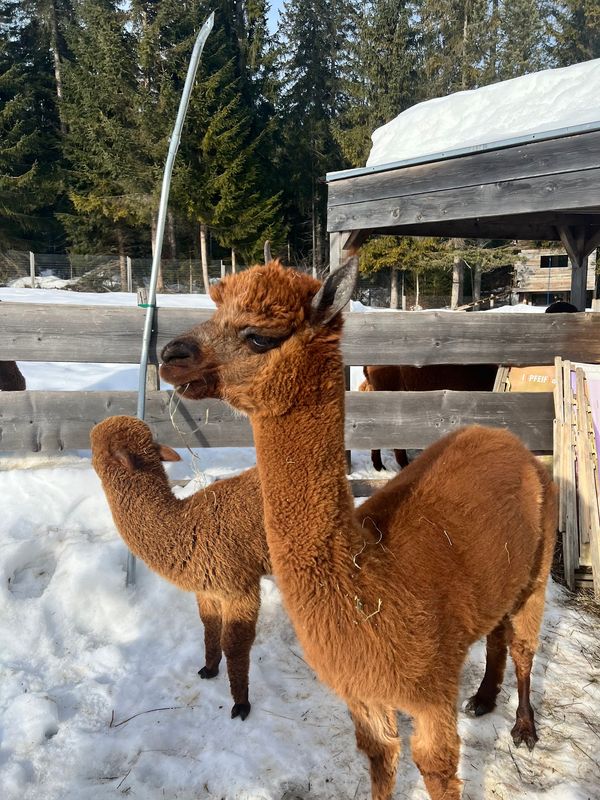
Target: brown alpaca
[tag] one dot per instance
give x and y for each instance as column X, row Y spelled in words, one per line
column 211, row 543
column 11, row 378
column 456, row 547
column 430, row 378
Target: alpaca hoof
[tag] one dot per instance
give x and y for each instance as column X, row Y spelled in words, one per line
column 240, row 710
column 205, row 672
column 524, row 731
column 478, row 706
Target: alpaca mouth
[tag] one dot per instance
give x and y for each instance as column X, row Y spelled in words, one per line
column 195, row 384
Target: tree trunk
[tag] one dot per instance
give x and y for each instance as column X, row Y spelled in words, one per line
column 393, row 288
column 122, row 259
column 204, row 256
column 458, row 272
column 233, row 263
column 171, row 235
column 54, row 46
column 417, row 306
column 314, row 238
column 476, row 286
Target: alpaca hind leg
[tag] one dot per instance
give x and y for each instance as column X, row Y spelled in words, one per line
column 401, row 458
column 525, row 625
column 239, row 629
column 210, row 614
column 435, row 750
column 484, row 700
column 376, row 460
column 377, row 736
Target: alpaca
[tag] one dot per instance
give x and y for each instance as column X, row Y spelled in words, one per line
column 211, row 543
column 405, row 378
column 386, row 602
column 11, row 377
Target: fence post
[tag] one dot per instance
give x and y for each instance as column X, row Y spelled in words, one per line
column 222, row 269
column 32, row 269
column 129, row 274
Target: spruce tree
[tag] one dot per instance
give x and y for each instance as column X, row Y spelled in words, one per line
column 576, row 31
column 522, row 46
column 30, row 156
column 106, row 163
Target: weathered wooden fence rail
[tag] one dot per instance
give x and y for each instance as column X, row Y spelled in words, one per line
column 52, row 421
column 97, row 334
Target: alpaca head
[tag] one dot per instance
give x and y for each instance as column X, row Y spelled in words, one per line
column 265, row 346
column 124, row 445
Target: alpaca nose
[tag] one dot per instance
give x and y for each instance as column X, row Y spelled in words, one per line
column 179, row 350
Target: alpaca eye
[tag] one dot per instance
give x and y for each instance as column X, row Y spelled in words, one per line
column 260, row 344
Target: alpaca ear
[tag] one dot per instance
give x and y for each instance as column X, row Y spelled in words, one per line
column 334, row 293
column 124, row 458
column 167, row 453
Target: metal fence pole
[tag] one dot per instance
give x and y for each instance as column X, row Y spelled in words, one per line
column 32, row 269
column 160, row 229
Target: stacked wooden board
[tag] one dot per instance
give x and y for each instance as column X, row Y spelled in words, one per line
column 576, row 473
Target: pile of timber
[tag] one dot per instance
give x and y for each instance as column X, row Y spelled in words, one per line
column 576, row 473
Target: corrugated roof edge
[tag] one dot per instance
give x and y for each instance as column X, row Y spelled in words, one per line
column 444, row 155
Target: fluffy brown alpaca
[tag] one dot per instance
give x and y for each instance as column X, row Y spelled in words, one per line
column 211, row 543
column 430, row 378
column 456, row 547
column 11, row 378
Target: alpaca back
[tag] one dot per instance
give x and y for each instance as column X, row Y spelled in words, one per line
column 466, row 521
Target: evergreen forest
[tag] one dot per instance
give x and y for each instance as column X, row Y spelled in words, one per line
column 89, row 91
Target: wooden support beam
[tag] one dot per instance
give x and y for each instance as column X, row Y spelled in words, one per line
column 579, row 244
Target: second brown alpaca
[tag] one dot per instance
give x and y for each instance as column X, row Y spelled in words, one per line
column 430, row 378
column 211, row 543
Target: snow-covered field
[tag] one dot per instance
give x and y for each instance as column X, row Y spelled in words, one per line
column 99, row 696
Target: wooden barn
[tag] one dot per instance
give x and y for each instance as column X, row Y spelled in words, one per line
column 544, row 275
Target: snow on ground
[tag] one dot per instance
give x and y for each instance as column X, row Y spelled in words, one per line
column 99, row 695
column 534, row 103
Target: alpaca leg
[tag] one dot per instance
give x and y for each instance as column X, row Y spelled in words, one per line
column 484, row 700
column 377, row 736
column 376, row 459
column 239, row 629
column 526, row 623
column 210, row 614
column 401, row 458
column 435, row 750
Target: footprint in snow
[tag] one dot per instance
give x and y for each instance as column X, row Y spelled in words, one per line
column 31, row 579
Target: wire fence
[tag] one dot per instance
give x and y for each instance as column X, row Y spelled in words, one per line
column 105, row 273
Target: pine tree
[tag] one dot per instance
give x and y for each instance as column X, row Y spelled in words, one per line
column 576, row 31
column 106, row 174
column 385, row 69
column 30, row 175
column 522, row 47
column 314, row 67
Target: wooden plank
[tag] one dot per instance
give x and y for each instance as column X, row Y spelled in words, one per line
column 565, row 192
column 540, row 226
column 583, row 466
column 100, row 334
column 51, row 421
column 594, row 548
column 570, row 536
column 536, row 159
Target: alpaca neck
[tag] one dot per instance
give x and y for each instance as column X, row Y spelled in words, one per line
column 152, row 522
column 308, row 506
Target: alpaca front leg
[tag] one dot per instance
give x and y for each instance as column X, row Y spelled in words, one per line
column 239, row 629
column 376, row 730
column 435, row 750
column 210, row 614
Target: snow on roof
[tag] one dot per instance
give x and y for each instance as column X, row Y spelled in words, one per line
column 540, row 102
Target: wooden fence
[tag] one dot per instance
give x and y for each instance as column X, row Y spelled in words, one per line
column 40, row 421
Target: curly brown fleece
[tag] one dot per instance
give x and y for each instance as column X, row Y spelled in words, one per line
column 211, row 543
column 386, row 602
